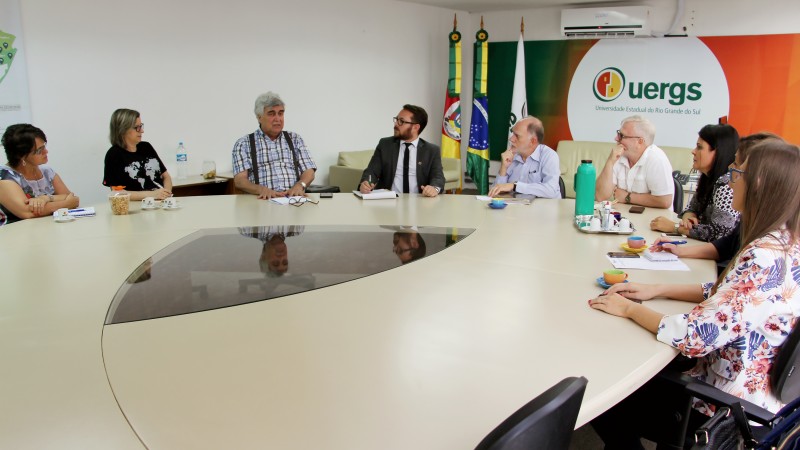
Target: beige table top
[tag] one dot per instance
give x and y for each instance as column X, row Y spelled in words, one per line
column 431, row 355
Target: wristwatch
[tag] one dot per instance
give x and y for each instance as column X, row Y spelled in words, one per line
column 303, row 184
column 677, row 225
column 515, row 188
column 628, row 198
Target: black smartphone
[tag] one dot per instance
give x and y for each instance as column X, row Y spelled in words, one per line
column 326, row 195
column 622, row 255
column 672, row 234
column 636, row 209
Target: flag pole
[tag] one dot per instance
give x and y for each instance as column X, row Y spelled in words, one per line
column 521, row 26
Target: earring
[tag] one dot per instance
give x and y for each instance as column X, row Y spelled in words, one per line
column 24, row 163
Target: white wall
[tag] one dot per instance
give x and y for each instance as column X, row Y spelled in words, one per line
column 193, row 69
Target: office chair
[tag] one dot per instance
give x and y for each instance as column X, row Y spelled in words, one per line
column 784, row 383
column 677, row 199
column 546, row 422
column 562, row 187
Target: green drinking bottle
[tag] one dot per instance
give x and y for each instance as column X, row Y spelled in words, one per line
column 585, row 179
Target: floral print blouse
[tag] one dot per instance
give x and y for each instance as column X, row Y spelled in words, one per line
column 35, row 188
column 718, row 218
column 737, row 332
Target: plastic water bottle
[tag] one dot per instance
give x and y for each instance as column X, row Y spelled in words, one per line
column 585, row 179
column 182, row 159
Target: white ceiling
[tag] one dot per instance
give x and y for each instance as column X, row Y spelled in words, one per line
column 504, row 5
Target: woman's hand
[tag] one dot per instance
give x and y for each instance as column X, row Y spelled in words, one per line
column 676, row 250
column 661, row 223
column 161, row 194
column 633, row 291
column 613, row 304
column 689, row 220
column 36, row 204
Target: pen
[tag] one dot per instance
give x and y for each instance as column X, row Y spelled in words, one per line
column 672, row 242
column 157, row 184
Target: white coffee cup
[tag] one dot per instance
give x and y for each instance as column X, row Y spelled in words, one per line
column 148, row 202
column 169, row 202
column 62, row 215
column 594, row 225
column 624, row 225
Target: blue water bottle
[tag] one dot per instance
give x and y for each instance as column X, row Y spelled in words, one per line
column 585, row 179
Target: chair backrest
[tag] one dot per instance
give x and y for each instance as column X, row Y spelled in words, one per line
column 785, row 373
column 562, row 187
column 545, row 422
column 677, row 199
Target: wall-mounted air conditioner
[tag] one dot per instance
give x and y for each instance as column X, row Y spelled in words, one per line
column 620, row 21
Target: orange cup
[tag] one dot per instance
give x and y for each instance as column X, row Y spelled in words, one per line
column 614, row 276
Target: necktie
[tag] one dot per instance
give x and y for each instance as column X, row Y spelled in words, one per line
column 406, row 189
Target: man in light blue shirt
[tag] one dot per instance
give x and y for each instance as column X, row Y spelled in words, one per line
column 528, row 167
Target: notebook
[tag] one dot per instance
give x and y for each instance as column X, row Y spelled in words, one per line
column 377, row 194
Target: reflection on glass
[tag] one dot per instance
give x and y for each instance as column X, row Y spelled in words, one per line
column 217, row 268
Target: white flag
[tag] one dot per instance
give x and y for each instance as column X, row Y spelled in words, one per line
column 519, row 102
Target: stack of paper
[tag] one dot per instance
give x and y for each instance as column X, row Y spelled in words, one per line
column 377, row 194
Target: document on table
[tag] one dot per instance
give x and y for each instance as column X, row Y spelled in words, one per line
column 509, row 200
column 646, row 264
column 376, row 194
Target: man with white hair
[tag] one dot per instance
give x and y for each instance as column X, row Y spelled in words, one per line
column 271, row 162
column 636, row 172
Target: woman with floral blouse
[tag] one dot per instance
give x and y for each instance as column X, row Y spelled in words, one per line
column 742, row 319
column 710, row 214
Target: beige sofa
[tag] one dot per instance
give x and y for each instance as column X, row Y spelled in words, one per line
column 570, row 154
column 347, row 172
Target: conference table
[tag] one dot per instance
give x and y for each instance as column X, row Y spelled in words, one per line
column 427, row 355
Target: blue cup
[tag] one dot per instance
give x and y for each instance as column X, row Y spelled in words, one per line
column 636, row 242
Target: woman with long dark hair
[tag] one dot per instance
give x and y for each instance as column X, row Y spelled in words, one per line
column 710, row 214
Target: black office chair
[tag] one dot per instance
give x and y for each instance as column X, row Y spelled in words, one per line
column 784, row 382
column 545, row 422
column 562, row 187
column 677, row 199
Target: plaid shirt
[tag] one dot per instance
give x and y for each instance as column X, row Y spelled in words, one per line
column 275, row 162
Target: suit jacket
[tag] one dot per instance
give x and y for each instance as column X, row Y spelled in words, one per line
column 383, row 165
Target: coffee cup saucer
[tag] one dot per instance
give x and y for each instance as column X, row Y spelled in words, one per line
column 602, row 282
column 497, row 205
column 63, row 219
column 149, row 208
column 171, row 207
column 625, row 247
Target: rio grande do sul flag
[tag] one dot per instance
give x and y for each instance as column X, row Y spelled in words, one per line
column 451, row 122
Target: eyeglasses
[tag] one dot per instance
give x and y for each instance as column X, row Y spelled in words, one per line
column 621, row 136
column 38, row 151
column 401, row 121
column 139, row 127
column 735, row 174
column 300, row 201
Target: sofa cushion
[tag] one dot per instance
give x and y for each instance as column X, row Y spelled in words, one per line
column 358, row 159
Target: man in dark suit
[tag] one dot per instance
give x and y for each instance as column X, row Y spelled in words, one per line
column 405, row 163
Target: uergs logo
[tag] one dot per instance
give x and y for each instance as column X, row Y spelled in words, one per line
column 609, row 84
column 676, row 83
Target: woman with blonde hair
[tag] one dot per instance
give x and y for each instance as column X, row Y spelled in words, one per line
column 132, row 162
column 741, row 320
